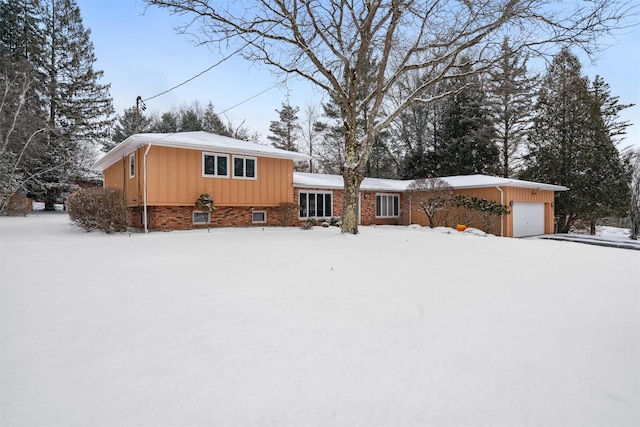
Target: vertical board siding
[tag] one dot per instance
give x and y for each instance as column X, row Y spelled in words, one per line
column 510, row 194
column 117, row 176
column 519, row 194
column 174, row 178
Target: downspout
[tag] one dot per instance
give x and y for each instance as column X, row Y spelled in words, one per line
column 501, row 215
column 146, row 228
column 410, row 209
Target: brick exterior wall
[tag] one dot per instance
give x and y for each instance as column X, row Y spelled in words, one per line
column 181, row 217
column 367, row 208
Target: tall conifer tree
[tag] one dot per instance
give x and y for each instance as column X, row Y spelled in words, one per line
column 465, row 136
column 510, row 92
column 286, row 130
column 79, row 107
column 571, row 144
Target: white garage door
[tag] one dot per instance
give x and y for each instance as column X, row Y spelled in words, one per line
column 528, row 219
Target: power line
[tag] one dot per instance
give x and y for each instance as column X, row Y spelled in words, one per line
column 196, row 76
column 254, row 96
column 205, row 71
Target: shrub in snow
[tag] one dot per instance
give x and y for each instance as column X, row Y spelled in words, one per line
column 286, row 211
column 335, row 221
column 434, row 197
column 98, row 209
column 482, row 211
column 306, row 226
column 17, row 205
column 205, row 203
column 312, row 221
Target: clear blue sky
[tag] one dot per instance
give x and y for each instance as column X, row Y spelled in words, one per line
column 141, row 54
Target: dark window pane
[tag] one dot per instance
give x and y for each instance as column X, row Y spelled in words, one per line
column 259, row 216
column 312, row 204
column 328, row 208
column 303, row 205
column 209, row 165
column 238, row 167
column 251, row 168
column 222, row 166
column 200, row 217
column 378, row 210
column 320, row 210
column 396, row 205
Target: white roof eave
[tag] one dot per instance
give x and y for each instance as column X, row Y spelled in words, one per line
column 136, row 141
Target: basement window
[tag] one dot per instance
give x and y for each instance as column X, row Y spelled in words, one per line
column 259, row 217
column 200, row 217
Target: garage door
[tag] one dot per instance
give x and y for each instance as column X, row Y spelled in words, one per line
column 528, row 219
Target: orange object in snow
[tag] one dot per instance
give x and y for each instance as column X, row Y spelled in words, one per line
column 461, row 227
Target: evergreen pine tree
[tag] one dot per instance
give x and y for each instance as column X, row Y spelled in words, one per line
column 167, row 123
column 510, row 92
column 416, row 131
column 286, row 130
column 189, row 120
column 465, row 136
column 80, row 108
column 212, row 123
column 571, row 144
column 127, row 124
column 22, row 113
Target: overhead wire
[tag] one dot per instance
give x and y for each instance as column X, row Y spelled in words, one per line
column 209, row 69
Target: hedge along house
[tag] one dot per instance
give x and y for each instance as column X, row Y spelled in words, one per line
column 162, row 175
column 384, row 201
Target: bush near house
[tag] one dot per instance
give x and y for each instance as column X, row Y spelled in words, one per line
column 98, row 209
column 286, row 211
column 17, row 205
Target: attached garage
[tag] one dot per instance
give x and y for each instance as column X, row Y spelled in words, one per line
column 528, row 219
column 531, row 204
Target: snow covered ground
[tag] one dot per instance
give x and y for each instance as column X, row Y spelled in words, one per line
column 395, row 326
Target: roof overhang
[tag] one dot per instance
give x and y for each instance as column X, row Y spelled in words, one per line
column 203, row 141
column 312, row 180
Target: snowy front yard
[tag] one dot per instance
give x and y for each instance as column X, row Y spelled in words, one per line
column 395, row 326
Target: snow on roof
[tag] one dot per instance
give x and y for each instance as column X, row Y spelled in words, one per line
column 314, row 180
column 195, row 141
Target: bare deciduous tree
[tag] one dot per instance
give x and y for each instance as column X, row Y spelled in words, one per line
column 432, row 196
column 19, row 132
column 331, row 43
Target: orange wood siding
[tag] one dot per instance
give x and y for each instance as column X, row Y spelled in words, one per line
column 117, row 176
column 174, row 178
column 519, row 194
column 515, row 194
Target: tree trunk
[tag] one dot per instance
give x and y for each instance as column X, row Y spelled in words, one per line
column 565, row 222
column 352, row 180
column 50, row 201
column 592, row 228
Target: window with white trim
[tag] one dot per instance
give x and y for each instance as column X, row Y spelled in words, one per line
column 259, row 217
column 132, row 165
column 244, row 167
column 215, row 165
column 315, row 204
column 200, row 217
column 387, row 205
